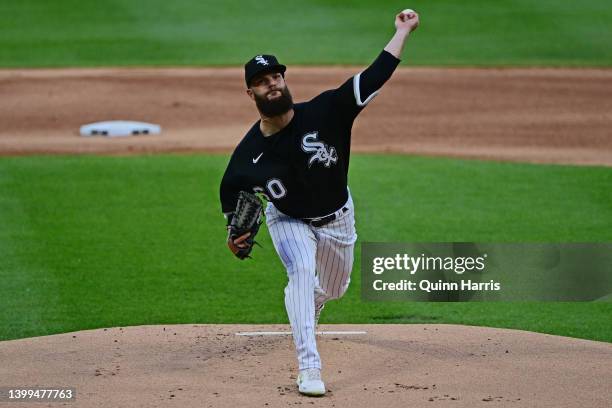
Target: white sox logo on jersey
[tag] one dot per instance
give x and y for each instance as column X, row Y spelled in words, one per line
column 261, row 60
column 321, row 151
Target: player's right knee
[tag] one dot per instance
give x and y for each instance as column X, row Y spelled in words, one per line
column 300, row 272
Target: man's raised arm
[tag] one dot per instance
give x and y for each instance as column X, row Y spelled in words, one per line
column 405, row 23
column 366, row 84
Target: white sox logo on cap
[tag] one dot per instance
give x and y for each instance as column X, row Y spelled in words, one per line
column 261, row 60
column 322, row 152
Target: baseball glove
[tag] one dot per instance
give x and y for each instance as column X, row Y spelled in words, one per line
column 244, row 225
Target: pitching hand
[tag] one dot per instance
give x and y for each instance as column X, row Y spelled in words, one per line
column 407, row 22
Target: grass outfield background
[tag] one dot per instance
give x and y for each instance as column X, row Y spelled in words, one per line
column 92, row 242
column 42, row 33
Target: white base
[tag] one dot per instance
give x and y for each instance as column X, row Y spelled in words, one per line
column 119, row 128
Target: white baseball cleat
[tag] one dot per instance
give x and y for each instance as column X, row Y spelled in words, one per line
column 318, row 310
column 309, row 382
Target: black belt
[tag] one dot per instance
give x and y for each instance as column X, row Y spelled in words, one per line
column 321, row 221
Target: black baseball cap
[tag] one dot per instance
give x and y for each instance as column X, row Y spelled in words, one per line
column 262, row 63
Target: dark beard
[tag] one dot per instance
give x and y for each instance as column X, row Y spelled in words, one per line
column 277, row 106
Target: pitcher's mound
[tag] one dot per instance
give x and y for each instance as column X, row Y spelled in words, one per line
column 388, row 366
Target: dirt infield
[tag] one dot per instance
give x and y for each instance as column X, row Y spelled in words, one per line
column 389, row 366
column 534, row 115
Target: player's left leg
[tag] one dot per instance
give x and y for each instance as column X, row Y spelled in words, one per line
column 335, row 248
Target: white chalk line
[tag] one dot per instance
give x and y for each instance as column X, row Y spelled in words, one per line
column 288, row 333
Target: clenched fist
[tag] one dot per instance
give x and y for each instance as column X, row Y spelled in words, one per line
column 407, row 22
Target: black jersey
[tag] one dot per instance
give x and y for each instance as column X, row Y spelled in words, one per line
column 303, row 167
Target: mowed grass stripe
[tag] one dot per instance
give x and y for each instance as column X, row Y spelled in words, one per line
column 28, row 290
column 140, row 240
column 57, row 33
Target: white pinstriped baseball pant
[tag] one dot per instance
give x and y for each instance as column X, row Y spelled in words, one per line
column 319, row 261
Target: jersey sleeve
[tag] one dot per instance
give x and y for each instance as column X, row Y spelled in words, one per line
column 352, row 96
column 229, row 191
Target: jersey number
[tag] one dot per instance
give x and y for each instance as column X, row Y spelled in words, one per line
column 274, row 187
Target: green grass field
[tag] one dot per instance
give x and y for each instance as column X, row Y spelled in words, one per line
column 40, row 33
column 93, row 242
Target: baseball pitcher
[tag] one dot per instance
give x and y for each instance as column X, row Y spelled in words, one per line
column 297, row 157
